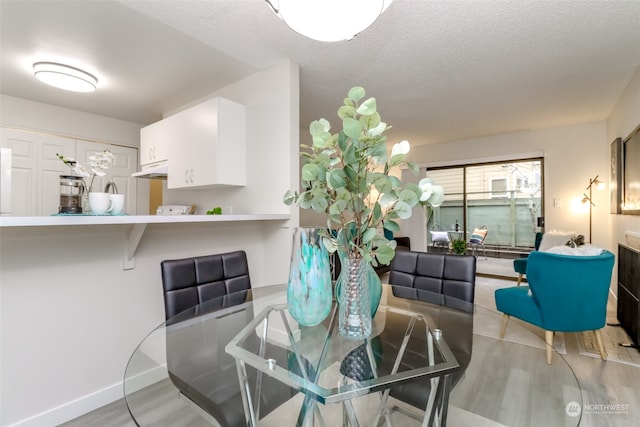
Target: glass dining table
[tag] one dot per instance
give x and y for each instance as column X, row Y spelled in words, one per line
column 241, row 359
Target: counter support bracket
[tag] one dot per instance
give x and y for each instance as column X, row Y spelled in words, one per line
column 133, row 239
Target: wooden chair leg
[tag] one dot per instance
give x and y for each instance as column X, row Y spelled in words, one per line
column 503, row 328
column 603, row 353
column 519, row 279
column 548, row 337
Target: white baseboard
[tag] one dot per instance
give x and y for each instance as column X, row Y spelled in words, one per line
column 70, row 410
column 75, row 408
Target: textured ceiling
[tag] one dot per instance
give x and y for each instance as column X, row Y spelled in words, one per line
column 440, row 70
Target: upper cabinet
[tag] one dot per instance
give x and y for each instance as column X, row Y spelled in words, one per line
column 154, row 143
column 207, row 145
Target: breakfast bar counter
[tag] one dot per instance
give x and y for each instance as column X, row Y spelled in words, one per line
column 136, row 224
column 56, row 220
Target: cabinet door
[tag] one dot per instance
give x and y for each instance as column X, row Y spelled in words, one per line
column 124, row 164
column 36, row 170
column 210, row 149
column 192, row 155
column 154, row 142
column 183, row 148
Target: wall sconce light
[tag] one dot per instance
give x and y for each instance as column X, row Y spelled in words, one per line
column 329, row 20
column 589, row 199
column 64, row 77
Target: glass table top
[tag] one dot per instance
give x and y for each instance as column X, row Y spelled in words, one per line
column 194, row 353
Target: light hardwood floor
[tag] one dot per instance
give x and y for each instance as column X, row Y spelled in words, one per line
column 610, row 392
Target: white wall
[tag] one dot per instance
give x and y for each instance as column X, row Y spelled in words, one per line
column 71, row 317
column 24, row 114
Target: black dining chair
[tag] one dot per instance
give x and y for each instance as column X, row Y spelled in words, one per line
column 448, row 282
column 188, row 282
column 199, row 366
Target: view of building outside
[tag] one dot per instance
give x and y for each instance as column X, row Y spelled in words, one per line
column 504, row 197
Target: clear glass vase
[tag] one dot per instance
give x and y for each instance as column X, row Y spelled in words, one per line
column 354, row 299
column 309, row 293
column 375, row 284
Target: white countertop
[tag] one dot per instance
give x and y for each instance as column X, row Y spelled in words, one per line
column 55, row 220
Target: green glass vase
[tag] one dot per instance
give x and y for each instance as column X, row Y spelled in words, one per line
column 309, row 296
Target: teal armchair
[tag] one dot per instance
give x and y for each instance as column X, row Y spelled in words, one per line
column 565, row 294
column 520, row 264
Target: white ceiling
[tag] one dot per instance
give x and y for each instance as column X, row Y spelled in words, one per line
column 440, row 70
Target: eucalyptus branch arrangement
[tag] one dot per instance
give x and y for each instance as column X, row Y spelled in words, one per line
column 347, row 176
column 99, row 163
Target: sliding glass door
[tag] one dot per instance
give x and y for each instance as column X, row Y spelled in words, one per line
column 500, row 200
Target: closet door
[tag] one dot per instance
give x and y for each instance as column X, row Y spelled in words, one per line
column 50, row 167
column 36, row 170
column 24, row 170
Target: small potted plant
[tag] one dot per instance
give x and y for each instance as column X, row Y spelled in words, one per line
column 459, row 247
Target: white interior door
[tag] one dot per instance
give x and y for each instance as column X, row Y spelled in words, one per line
column 50, row 167
column 24, row 169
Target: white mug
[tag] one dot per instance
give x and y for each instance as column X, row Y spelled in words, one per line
column 99, row 203
column 117, row 204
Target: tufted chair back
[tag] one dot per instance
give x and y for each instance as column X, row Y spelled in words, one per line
column 443, row 279
column 188, row 282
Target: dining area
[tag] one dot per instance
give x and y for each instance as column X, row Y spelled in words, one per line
column 240, row 358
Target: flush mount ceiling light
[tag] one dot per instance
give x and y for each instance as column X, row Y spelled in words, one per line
column 329, row 20
column 64, row 76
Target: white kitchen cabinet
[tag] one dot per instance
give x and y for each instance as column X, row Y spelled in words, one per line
column 36, row 170
column 154, row 142
column 124, row 164
column 210, row 146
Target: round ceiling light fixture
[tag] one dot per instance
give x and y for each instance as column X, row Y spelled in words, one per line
column 65, row 77
column 329, row 20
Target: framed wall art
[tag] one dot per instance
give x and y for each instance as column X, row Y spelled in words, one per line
column 616, row 176
column 631, row 173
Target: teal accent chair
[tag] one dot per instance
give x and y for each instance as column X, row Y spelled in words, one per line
column 565, row 294
column 520, row 264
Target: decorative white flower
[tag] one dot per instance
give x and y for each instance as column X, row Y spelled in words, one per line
column 431, row 193
column 81, row 170
column 401, row 147
column 99, row 162
column 426, row 185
